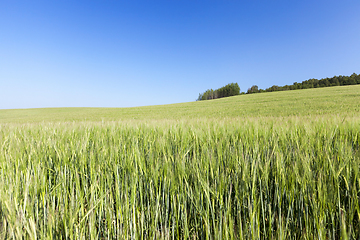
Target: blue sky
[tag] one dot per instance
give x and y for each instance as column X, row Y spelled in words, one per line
column 124, row 53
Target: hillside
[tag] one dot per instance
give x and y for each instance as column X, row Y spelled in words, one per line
column 343, row 101
column 233, row 168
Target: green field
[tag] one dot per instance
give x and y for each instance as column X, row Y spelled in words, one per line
column 344, row 101
column 281, row 165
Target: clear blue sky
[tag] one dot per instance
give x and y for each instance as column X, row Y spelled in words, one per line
column 124, row 53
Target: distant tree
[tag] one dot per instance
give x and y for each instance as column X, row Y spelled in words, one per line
column 253, row 89
column 231, row 89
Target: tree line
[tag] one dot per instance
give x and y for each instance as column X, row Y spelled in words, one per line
column 233, row 89
column 311, row 83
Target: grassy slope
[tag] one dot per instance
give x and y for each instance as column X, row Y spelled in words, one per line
column 250, row 176
column 343, row 101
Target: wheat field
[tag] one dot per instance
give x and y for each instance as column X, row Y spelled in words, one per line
column 286, row 176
